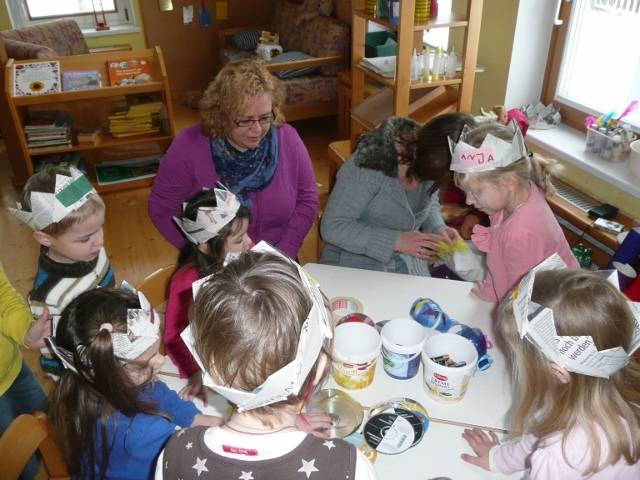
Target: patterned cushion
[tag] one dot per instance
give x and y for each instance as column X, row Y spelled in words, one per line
column 247, row 40
column 292, row 57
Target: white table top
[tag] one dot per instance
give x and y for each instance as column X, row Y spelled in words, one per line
column 386, row 296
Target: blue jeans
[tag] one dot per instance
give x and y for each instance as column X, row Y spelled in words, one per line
column 25, row 395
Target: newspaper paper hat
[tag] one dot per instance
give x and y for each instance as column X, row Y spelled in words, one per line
column 493, row 153
column 289, row 379
column 210, row 220
column 47, row 208
column 143, row 325
column 575, row 353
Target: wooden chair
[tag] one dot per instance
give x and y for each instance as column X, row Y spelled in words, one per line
column 19, row 442
column 155, row 289
column 155, row 285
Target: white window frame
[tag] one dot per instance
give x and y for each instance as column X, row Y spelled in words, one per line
column 118, row 22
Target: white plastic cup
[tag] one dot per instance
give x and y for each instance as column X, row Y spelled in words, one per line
column 448, row 384
column 402, row 340
column 634, row 158
column 356, row 347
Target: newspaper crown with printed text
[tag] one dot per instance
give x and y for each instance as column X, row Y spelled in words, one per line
column 210, row 220
column 143, row 326
column 71, row 192
column 493, row 153
column 289, row 379
column 577, row 354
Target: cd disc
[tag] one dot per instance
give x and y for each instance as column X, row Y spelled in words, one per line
column 402, row 402
column 346, row 413
column 389, row 433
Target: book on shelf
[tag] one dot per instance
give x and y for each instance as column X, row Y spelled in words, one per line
column 48, row 128
column 142, row 114
column 36, row 78
column 132, row 71
column 80, row 80
column 89, row 136
column 111, row 172
column 64, row 160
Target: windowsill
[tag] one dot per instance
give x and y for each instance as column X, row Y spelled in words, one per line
column 568, row 144
column 114, row 30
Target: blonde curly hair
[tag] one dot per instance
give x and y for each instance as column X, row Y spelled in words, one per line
column 234, row 89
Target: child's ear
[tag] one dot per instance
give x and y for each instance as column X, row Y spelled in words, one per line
column 510, row 180
column 204, row 248
column 560, row 372
column 42, row 238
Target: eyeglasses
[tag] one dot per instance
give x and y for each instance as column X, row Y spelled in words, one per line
column 262, row 121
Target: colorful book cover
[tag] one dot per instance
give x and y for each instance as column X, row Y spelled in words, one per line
column 128, row 170
column 134, row 71
column 81, row 80
column 36, row 78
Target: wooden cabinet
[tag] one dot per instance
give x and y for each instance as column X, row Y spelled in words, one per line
column 458, row 90
column 90, row 108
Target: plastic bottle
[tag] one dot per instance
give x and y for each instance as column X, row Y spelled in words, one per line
column 606, row 146
column 627, row 136
column 426, row 63
column 435, row 73
column 616, row 149
column 415, row 75
column 600, row 140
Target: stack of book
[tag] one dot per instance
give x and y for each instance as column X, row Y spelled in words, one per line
column 111, row 172
column 137, row 115
column 48, row 129
column 64, row 160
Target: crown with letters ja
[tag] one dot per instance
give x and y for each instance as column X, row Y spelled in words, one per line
column 493, row 153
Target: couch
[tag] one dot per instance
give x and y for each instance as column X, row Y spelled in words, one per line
column 58, row 38
column 324, row 38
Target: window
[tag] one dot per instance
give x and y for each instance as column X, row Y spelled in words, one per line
column 31, row 12
column 594, row 60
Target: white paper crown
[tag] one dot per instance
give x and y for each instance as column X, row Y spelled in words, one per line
column 47, row 208
column 210, row 220
column 493, row 153
column 143, row 325
column 575, row 353
column 289, row 379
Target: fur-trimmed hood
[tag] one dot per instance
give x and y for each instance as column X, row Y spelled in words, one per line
column 377, row 149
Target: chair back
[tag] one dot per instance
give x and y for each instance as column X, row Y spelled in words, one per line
column 155, row 285
column 155, row 289
column 26, row 434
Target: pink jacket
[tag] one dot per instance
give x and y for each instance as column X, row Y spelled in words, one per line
column 530, row 235
column 176, row 319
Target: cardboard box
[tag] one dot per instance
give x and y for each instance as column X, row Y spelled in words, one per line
column 374, row 44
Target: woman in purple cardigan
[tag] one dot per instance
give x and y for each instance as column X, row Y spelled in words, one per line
column 243, row 144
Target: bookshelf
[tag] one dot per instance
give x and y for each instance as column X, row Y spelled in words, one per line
column 91, row 108
column 456, row 91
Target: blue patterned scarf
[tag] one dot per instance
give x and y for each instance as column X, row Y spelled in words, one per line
column 244, row 172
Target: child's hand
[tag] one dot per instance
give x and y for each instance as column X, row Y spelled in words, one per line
column 481, row 444
column 449, row 234
column 479, row 285
column 207, row 420
column 314, row 423
column 36, row 333
column 195, row 388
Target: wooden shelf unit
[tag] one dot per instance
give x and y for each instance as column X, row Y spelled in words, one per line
column 90, row 108
column 409, row 37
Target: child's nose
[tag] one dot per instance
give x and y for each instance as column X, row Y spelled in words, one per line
column 469, row 199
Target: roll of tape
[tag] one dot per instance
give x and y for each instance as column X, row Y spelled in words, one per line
column 341, row 306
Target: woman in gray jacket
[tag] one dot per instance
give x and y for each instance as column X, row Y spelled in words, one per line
column 383, row 213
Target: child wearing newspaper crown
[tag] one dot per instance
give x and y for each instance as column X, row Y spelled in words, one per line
column 67, row 215
column 573, row 418
column 113, row 416
column 261, row 330
column 215, row 224
column 501, row 178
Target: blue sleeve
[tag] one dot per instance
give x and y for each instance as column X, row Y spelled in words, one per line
column 182, row 412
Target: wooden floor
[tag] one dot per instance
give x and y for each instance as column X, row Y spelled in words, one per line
column 133, row 245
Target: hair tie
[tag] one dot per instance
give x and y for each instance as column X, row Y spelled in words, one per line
column 106, row 326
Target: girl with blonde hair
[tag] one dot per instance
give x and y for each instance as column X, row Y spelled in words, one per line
column 502, row 179
column 577, row 406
